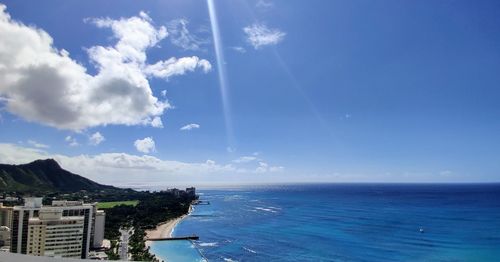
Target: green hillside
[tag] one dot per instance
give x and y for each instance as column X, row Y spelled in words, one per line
column 44, row 175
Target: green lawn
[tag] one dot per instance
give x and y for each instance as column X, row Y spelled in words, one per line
column 104, row 205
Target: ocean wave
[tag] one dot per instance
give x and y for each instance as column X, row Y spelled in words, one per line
column 208, row 244
column 250, row 250
column 229, row 260
column 266, row 209
column 233, row 197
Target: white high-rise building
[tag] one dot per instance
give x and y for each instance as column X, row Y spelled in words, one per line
column 63, row 229
column 51, row 234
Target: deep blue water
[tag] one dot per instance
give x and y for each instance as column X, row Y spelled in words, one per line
column 348, row 222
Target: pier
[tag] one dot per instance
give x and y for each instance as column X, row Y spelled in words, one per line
column 193, row 237
column 201, row 215
column 201, row 202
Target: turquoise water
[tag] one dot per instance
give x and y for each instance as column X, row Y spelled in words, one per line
column 346, row 223
column 176, row 250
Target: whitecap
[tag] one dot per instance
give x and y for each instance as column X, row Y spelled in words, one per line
column 233, row 197
column 208, row 244
column 266, row 209
column 250, row 250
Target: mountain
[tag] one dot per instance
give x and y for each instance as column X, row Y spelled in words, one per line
column 44, row 175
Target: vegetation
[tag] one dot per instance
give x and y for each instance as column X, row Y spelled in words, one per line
column 106, row 205
column 42, row 176
column 138, row 247
column 124, row 207
column 152, row 209
column 112, row 255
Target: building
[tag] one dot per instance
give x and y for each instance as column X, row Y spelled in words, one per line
column 10, row 199
column 98, row 237
column 191, row 192
column 98, row 255
column 175, row 192
column 5, row 216
column 54, row 235
column 63, row 229
column 4, row 236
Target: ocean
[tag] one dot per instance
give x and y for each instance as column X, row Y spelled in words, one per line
column 343, row 222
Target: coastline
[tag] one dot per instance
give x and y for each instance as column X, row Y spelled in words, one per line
column 165, row 229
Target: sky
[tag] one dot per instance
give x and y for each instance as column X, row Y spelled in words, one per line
column 186, row 92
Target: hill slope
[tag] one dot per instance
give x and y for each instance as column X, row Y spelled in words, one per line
column 44, row 175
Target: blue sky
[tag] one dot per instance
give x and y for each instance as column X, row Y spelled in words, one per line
column 328, row 91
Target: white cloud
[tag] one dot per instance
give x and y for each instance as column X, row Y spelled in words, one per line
column 156, row 122
column 36, row 144
column 239, row 49
column 122, row 168
column 181, row 37
column 189, row 127
column 259, row 35
column 96, row 138
column 245, row 159
column 265, row 168
column 263, row 4
column 42, row 84
column 276, row 169
column 164, row 93
column 262, row 167
column 145, row 145
column 173, row 66
column 71, row 141
column 205, row 65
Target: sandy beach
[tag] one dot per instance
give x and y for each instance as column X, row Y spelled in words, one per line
column 165, row 229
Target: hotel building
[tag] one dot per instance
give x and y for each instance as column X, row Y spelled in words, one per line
column 63, row 229
column 51, row 234
column 5, row 215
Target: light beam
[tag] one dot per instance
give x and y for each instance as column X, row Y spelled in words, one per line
column 221, row 70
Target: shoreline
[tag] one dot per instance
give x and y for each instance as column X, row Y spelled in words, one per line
column 165, row 229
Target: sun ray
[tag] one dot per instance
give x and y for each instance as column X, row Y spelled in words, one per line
column 221, row 70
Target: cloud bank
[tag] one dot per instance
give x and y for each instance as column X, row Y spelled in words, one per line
column 42, row 84
column 126, row 169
